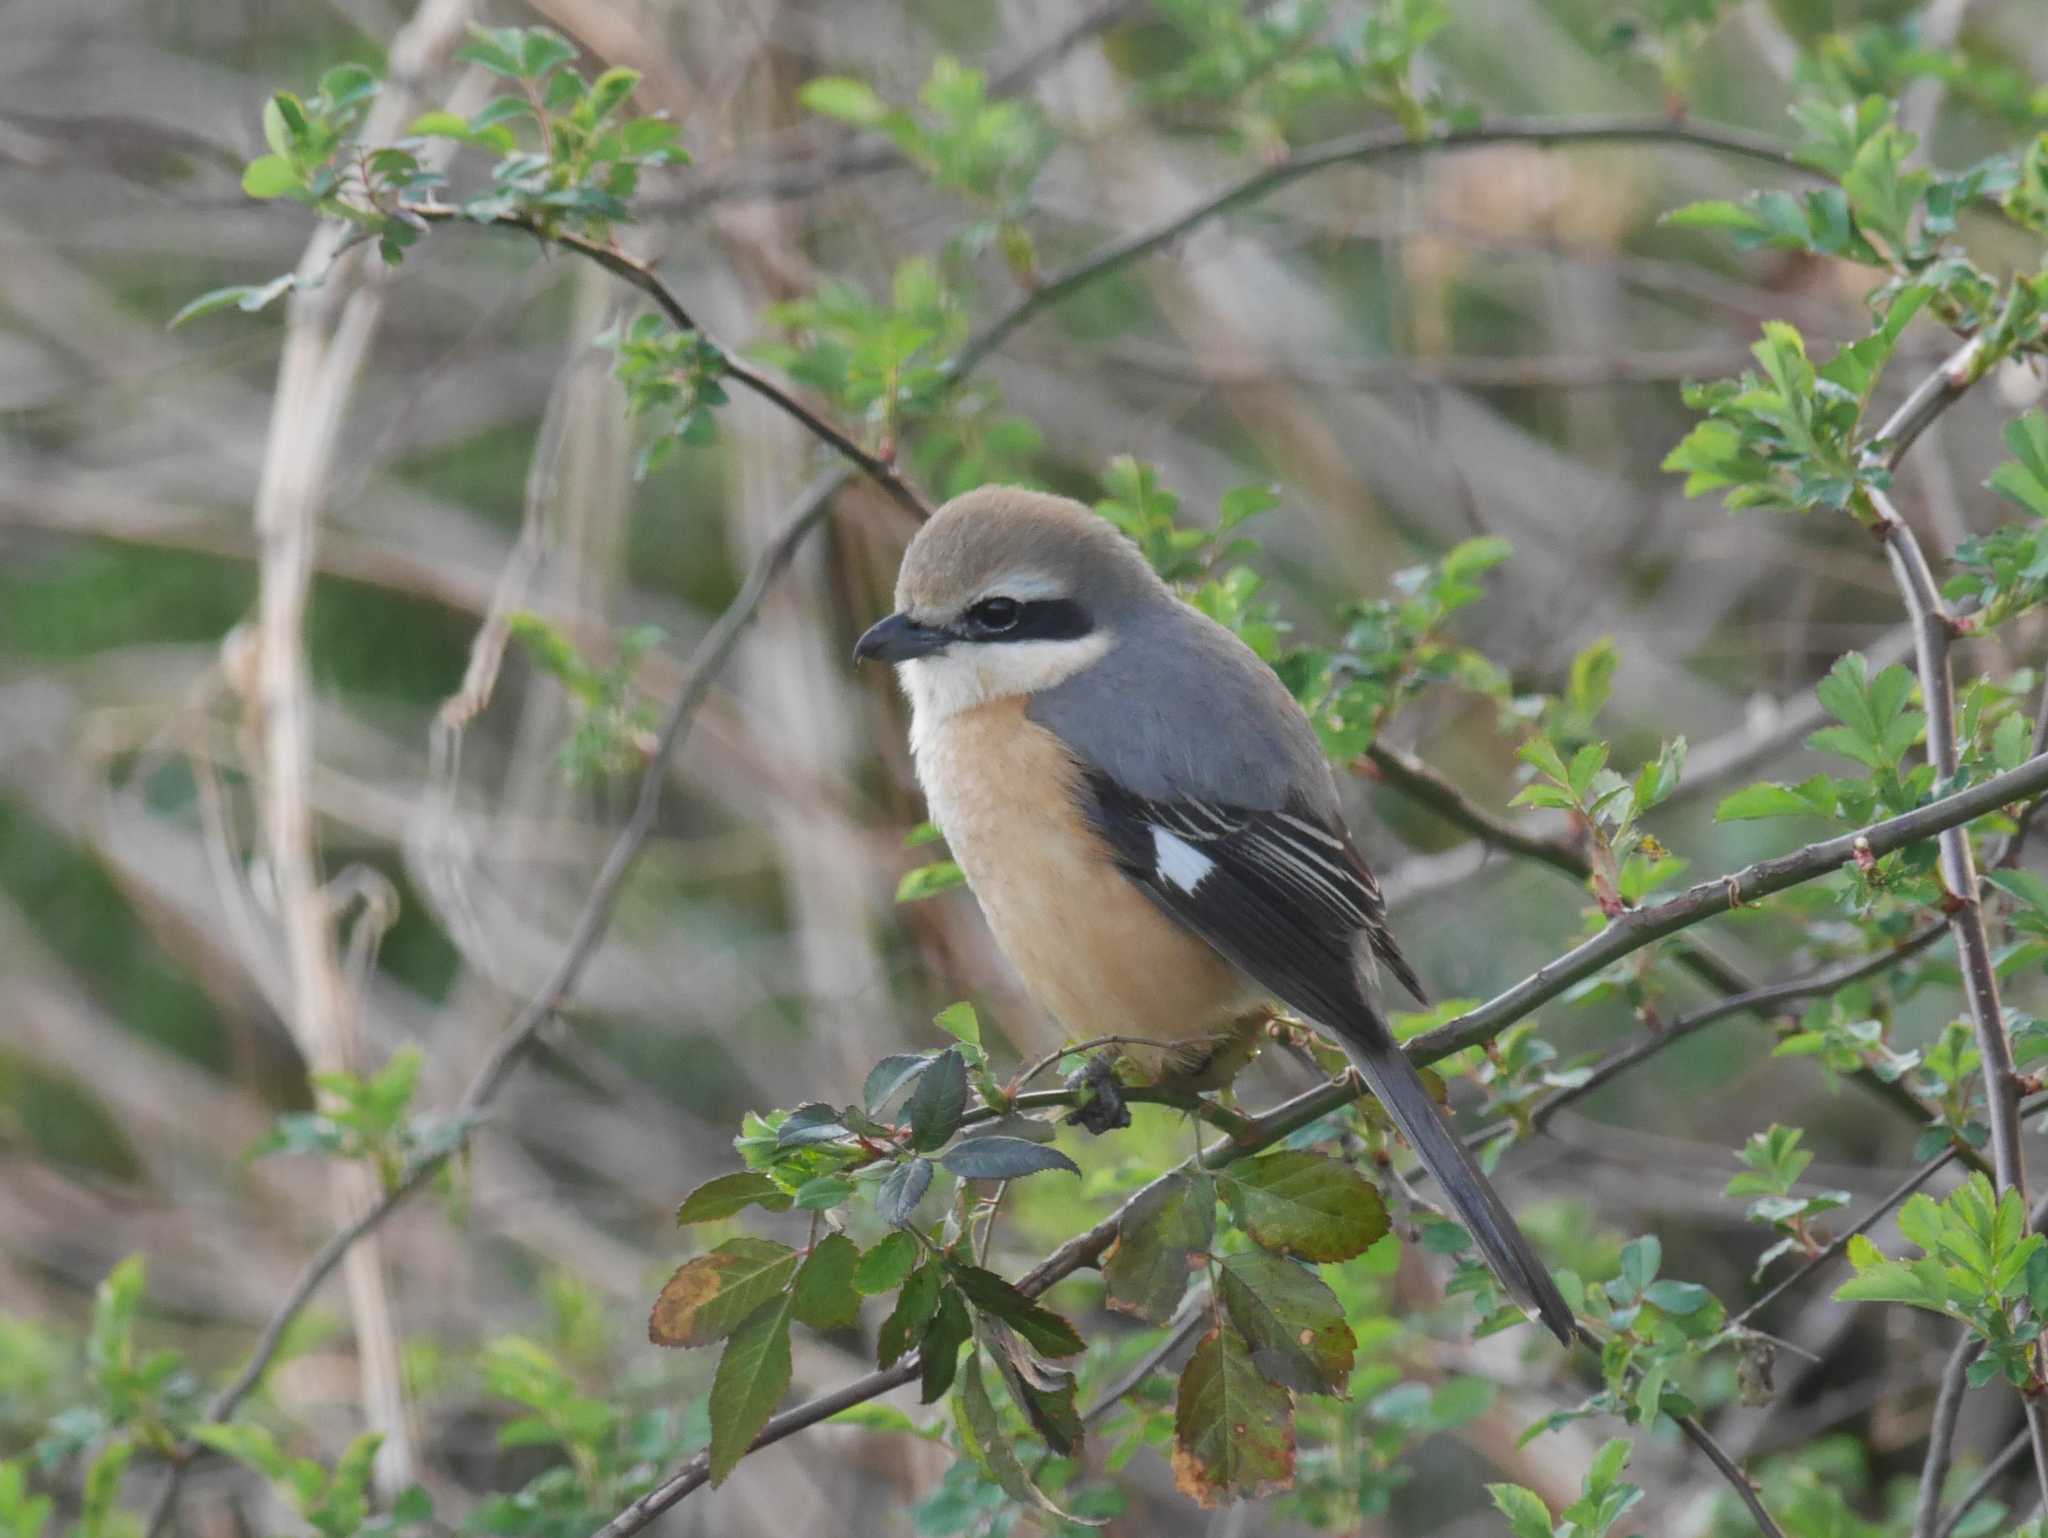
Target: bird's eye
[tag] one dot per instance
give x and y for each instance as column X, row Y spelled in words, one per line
column 992, row 616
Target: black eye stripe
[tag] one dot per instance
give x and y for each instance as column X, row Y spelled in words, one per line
column 1038, row 619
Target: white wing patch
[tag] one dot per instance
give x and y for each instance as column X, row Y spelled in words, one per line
column 1178, row 861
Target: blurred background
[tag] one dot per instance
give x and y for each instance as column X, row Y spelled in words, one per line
column 1490, row 342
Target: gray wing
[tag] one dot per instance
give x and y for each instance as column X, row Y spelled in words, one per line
column 1179, row 708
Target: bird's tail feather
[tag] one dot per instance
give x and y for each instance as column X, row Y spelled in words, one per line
column 1472, row 1197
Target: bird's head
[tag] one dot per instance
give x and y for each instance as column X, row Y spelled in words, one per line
column 1006, row 592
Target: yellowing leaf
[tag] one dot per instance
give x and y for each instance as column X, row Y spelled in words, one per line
column 1233, row 1430
column 710, row 1296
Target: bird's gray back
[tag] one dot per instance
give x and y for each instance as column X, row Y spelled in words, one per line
column 1180, row 708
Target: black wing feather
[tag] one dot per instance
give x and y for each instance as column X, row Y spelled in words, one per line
column 1288, row 902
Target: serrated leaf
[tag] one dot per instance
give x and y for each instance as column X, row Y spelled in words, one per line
column 1292, row 1321
column 753, row 1373
column 1527, row 1516
column 728, row 1195
column 1233, row 1429
column 708, row 1297
column 1304, row 1204
column 913, row 1311
column 983, row 1432
column 902, row 1190
column 883, row 1268
column 1163, row 1228
column 1043, row 1391
column 1045, row 1330
column 1762, row 800
column 886, row 1080
column 960, row 1021
column 810, row 1124
column 938, row 1101
column 1003, row 1158
column 939, row 1351
column 826, row 1298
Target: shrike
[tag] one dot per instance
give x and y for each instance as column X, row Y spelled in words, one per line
column 1147, row 818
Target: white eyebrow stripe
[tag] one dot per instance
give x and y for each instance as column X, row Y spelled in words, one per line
column 1024, row 586
column 1178, row 861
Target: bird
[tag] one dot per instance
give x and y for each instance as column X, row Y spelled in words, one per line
column 1147, row 818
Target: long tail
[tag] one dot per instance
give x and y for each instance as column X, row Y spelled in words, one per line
column 1401, row 1090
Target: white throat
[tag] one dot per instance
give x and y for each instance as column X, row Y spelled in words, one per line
column 968, row 674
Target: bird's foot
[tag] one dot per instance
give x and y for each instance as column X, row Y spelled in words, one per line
column 1102, row 1107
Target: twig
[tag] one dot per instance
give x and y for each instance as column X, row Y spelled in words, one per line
column 1639, row 926
column 2000, row 1462
column 1427, row 787
column 1716, row 1455
column 1356, row 149
column 1864, row 1225
column 1933, row 629
column 1941, row 1434
column 1192, row 1315
column 643, row 277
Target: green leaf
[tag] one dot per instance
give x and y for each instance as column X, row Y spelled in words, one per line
column 541, row 50
column 1764, row 800
column 915, row 1306
column 1044, row 1329
column 753, row 1373
column 1527, row 1516
column 849, row 100
column 883, row 1268
column 939, row 1351
column 1233, row 1429
column 1162, row 1228
column 244, row 296
column 1292, row 1321
column 270, row 176
column 708, row 1297
column 1678, row 1297
column 825, row 1295
column 728, row 1195
column 888, row 1077
column 938, row 1101
column 959, row 1020
column 1304, row 1204
column 982, row 1433
column 930, row 880
column 1003, row 1158
column 902, row 1190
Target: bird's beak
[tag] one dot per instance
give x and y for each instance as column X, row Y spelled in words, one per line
column 899, row 638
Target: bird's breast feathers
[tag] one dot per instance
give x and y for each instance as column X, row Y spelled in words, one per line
column 1091, row 947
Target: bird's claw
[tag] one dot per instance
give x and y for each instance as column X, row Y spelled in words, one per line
column 1102, row 1108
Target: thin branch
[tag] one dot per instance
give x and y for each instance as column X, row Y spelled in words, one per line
column 1716, row 1455
column 643, row 277
column 2004, row 1459
column 1941, row 1434
column 1864, row 1225
column 1933, row 629
column 1358, row 149
column 1756, row 1000
column 1427, row 787
column 1639, row 926
column 1192, row 1315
